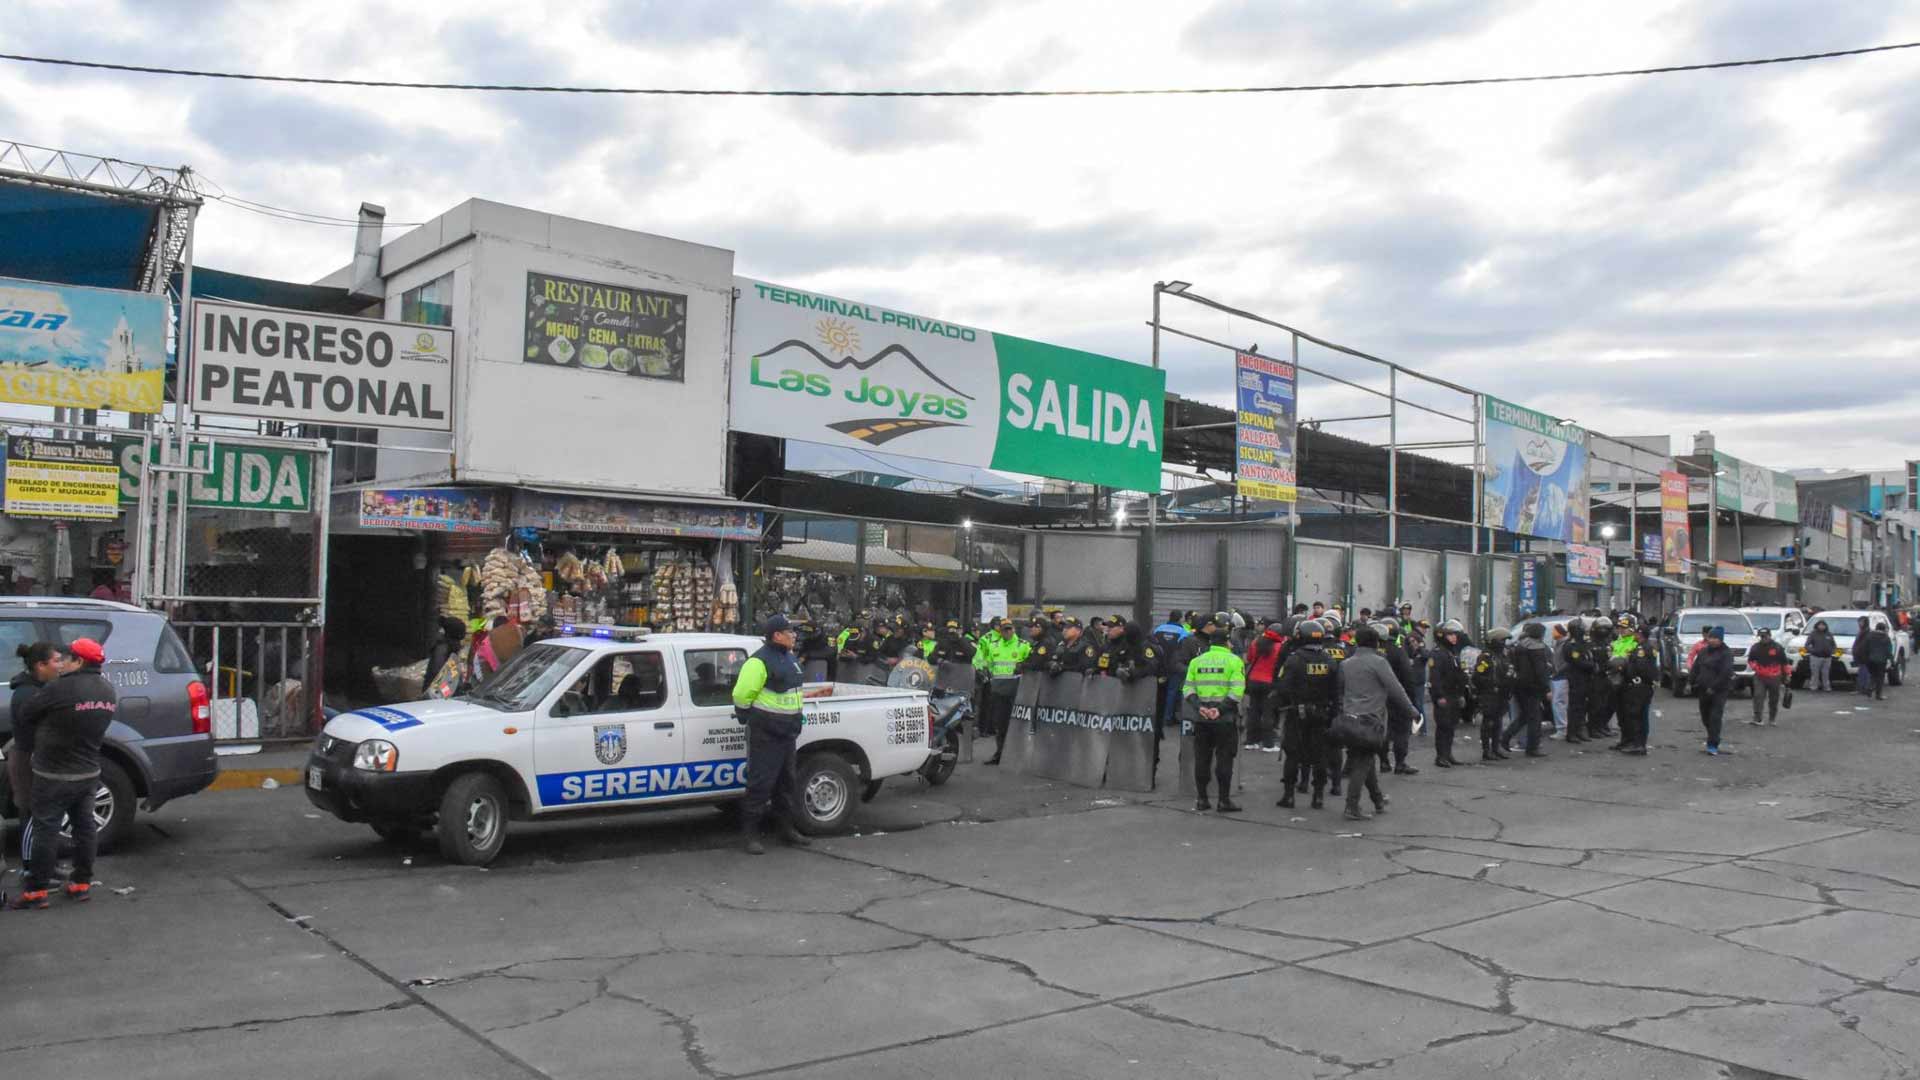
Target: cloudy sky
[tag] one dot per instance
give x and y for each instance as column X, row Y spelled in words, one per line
column 1728, row 250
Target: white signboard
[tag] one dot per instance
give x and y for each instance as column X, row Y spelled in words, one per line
column 993, row 604
column 299, row 366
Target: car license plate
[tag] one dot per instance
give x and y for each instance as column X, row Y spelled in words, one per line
column 313, row 778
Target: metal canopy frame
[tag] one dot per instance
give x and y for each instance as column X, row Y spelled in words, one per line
column 171, row 191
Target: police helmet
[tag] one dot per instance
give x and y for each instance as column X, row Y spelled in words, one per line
column 1392, row 624
column 1628, row 623
column 1498, row 635
column 1452, row 626
column 1311, row 629
column 1332, row 621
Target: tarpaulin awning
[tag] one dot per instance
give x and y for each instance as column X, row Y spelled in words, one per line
column 74, row 237
column 837, row 556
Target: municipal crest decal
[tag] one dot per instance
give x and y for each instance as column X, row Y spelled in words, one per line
column 610, row 743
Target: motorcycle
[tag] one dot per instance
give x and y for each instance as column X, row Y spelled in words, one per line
column 951, row 713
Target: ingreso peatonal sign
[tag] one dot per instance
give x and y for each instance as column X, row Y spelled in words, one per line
column 848, row 373
column 299, row 366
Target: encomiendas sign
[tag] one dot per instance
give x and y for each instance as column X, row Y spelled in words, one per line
column 296, row 366
column 853, row 374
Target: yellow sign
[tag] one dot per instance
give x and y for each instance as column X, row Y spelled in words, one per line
column 57, row 478
column 75, row 347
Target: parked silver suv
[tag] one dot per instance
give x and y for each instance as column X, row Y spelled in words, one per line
column 160, row 746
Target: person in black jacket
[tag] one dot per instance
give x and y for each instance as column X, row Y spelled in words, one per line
column 1399, row 725
column 1493, row 678
column 70, row 717
column 1713, row 681
column 1873, row 650
column 1576, row 660
column 41, row 662
column 1311, row 683
column 1602, row 693
column 1450, row 689
column 1820, row 649
column 1533, row 676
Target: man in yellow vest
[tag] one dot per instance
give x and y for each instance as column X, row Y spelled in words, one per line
column 999, row 656
column 1216, row 682
column 767, row 697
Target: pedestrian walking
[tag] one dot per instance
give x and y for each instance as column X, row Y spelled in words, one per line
column 1369, row 695
column 70, row 717
column 1820, row 649
column 1216, row 683
column 1873, row 651
column 1767, row 662
column 1712, row 682
column 767, row 698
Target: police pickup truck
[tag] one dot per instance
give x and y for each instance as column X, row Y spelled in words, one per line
column 600, row 718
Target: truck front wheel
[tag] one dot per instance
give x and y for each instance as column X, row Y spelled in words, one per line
column 827, row 788
column 473, row 819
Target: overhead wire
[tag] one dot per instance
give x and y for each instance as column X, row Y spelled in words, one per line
column 1295, row 88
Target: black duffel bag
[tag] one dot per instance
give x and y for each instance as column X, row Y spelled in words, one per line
column 1358, row 732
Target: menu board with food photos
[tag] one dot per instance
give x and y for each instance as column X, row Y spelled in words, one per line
column 616, row 329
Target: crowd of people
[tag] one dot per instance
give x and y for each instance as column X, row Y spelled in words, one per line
column 1340, row 698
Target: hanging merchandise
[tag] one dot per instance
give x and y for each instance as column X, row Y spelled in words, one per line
column 452, row 597
column 512, row 586
column 683, row 594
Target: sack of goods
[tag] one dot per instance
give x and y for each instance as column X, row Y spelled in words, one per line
column 452, row 598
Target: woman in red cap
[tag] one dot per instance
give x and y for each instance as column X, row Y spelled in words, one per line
column 70, row 718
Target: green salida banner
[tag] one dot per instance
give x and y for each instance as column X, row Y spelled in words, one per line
column 847, row 373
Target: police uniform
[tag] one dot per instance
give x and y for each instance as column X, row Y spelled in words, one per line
column 1576, row 661
column 1336, row 755
column 1602, row 691
column 1311, row 683
column 999, row 656
column 1216, row 680
column 1040, row 648
column 1076, row 656
column 1450, row 690
column 1638, row 677
column 767, row 698
column 1493, row 680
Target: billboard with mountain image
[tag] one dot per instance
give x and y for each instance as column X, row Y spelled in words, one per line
column 1536, row 473
column 849, row 373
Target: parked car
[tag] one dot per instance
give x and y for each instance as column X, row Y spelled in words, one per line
column 601, row 718
column 1845, row 625
column 1685, row 630
column 160, row 746
column 1786, row 623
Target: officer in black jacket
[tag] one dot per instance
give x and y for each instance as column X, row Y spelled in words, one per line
column 1638, row 677
column 1335, row 753
column 1532, row 677
column 1448, row 683
column 1399, row 725
column 1040, row 645
column 1075, row 652
column 1493, row 678
column 1602, row 693
column 1311, row 682
column 1128, row 654
column 1576, row 660
column 953, row 646
column 70, row 717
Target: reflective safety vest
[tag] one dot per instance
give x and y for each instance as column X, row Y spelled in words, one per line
column 1624, row 645
column 999, row 656
column 1217, row 675
column 770, row 682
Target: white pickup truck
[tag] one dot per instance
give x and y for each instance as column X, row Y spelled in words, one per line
column 597, row 719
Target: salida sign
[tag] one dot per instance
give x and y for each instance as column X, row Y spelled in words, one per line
column 296, row 366
column 234, row 477
column 846, row 373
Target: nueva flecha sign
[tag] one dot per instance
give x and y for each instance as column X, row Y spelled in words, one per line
column 847, row 373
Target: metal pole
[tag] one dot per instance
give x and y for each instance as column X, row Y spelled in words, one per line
column 1479, row 467
column 181, row 412
column 1393, row 457
column 1143, row 573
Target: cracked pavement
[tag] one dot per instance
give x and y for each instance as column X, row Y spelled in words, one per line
column 1591, row 916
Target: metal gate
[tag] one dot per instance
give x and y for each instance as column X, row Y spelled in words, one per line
column 1372, row 578
column 264, row 677
column 1421, row 584
column 1320, row 573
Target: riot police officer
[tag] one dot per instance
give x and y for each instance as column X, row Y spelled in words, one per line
column 1639, row 674
column 1493, row 678
column 1337, row 650
column 953, row 646
column 1040, row 645
column 1127, row 654
column 1311, row 683
column 1602, row 689
column 1448, row 682
column 1577, row 662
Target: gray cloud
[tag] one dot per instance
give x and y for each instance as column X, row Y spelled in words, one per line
column 1739, row 29
column 1667, row 136
column 256, row 125
column 772, row 249
column 1305, row 31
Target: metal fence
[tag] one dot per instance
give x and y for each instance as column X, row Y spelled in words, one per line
column 264, row 677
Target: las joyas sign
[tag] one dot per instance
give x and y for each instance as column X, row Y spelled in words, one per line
column 275, row 364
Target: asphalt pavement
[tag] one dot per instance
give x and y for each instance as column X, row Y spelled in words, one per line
column 1589, row 915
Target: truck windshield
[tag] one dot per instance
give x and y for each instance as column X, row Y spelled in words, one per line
column 525, row 680
column 1696, row 622
column 1766, row 620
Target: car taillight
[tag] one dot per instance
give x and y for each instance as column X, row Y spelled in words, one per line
column 201, row 704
